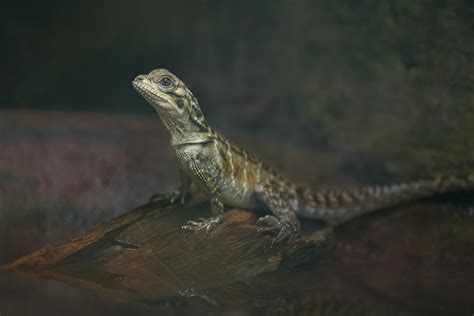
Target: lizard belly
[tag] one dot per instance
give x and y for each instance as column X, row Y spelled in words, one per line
column 234, row 193
column 237, row 196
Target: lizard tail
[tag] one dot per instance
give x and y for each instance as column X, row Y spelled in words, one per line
column 335, row 207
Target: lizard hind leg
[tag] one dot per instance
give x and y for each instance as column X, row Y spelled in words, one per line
column 283, row 222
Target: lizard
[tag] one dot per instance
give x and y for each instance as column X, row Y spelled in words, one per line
column 227, row 175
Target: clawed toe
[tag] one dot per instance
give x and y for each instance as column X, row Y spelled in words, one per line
column 270, row 225
column 158, row 197
column 173, row 197
column 207, row 224
column 267, row 221
column 285, row 233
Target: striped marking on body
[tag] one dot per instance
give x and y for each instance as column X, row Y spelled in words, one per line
column 231, row 160
column 257, row 172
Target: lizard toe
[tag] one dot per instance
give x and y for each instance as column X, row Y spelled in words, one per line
column 286, row 233
column 172, row 197
column 282, row 230
column 207, row 225
column 158, row 197
column 267, row 221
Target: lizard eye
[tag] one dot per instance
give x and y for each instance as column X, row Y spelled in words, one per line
column 166, row 83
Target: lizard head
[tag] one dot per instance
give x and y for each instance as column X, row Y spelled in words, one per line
column 174, row 102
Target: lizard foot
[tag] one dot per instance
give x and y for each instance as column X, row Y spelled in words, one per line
column 208, row 224
column 271, row 225
column 173, row 197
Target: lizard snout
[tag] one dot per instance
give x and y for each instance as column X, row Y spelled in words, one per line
column 139, row 78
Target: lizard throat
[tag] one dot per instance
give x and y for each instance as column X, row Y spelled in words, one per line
column 193, row 138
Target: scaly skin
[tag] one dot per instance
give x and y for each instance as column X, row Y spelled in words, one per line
column 228, row 175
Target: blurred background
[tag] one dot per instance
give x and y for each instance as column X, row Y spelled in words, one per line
column 350, row 76
column 331, row 92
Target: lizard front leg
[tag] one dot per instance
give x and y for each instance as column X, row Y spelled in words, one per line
column 217, row 203
column 285, row 223
column 181, row 194
column 184, row 190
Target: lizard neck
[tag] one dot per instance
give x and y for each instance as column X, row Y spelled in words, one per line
column 191, row 128
column 191, row 138
column 186, row 132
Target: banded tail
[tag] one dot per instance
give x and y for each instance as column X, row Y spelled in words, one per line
column 339, row 206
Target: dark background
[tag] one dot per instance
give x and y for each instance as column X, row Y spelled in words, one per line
column 349, row 75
